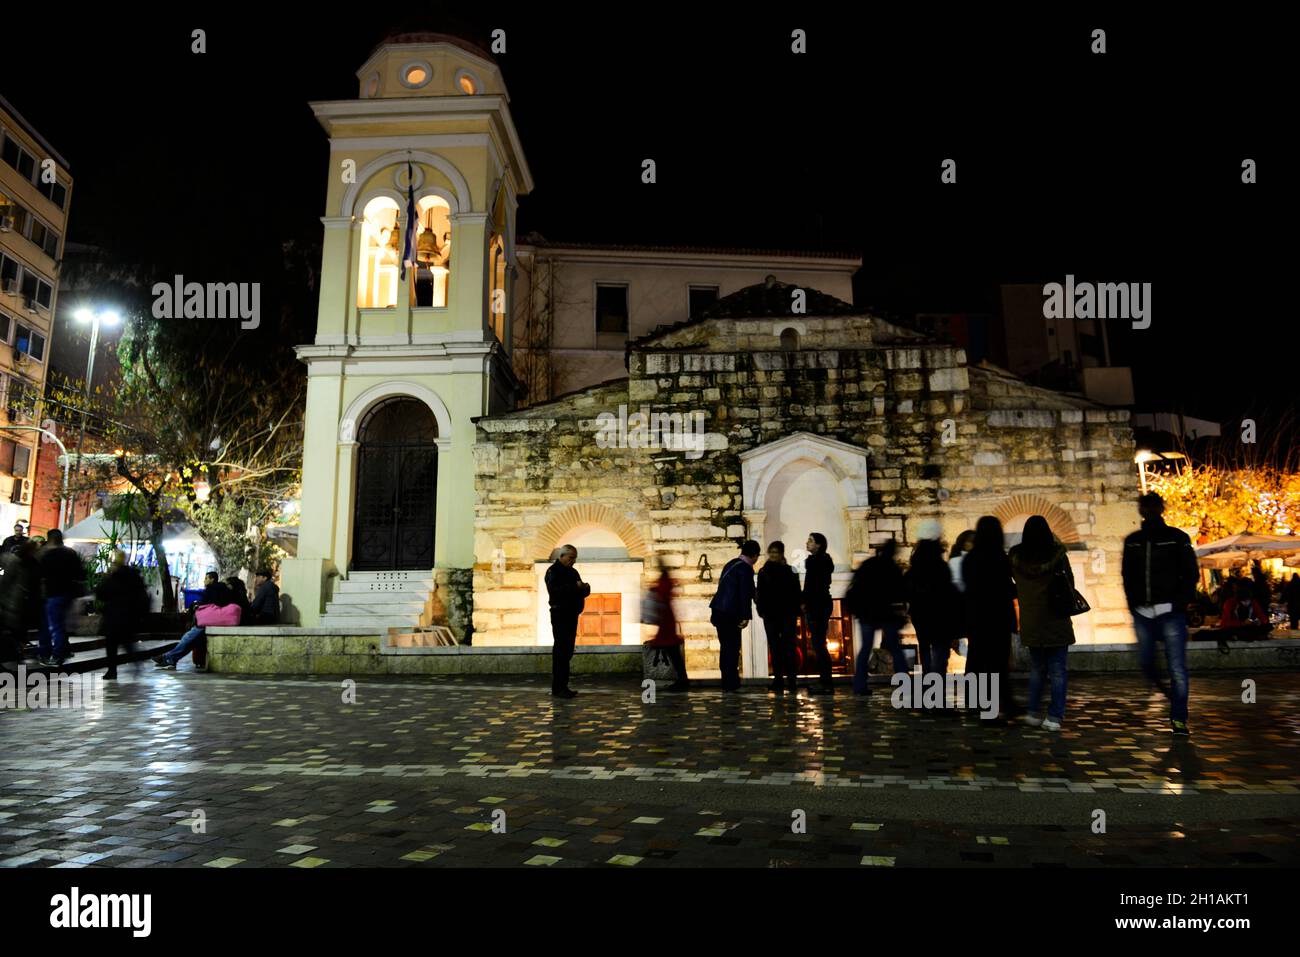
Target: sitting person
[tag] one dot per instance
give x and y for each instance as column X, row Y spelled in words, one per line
column 1243, row 617
column 217, row 606
column 266, row 599
column 240, row 591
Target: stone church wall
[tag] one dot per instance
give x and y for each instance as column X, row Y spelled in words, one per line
column 943, row 440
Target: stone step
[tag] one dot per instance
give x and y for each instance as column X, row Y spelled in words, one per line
column 375, row 606
column 403, row 576
column 380, row 597
column 352, row 586
column 369, row 622
column 95, row 658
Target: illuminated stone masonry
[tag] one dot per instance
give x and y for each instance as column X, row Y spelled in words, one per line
column 835, row 421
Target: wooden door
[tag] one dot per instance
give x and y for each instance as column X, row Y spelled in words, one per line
column 601, row 621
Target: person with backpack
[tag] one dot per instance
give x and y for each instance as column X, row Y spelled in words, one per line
column 1160, row 573
column 659, row 604
column 933, row 601
column 732, row 609
column 777, row 601
column 125, row 601
column 1045, row 589
column 990, row 610
column 817, row 606
column 876, row 598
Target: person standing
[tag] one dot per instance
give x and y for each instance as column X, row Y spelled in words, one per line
column 567, row 593
column 990, row 596
column 64, row 579
column 1160, row 572
column 1291, row 596
column 16, row 540
column 20, row 600
column 1261, row 590
column 777, row 602
column 965, row 542
column 1042, row 573
column 265, row 607
column 877, row 600
column 667, row 639
column 125, row 601
column 933, row 602
column 732, row 608
column 817, row 604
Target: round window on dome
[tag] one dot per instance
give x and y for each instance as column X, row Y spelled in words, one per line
column 416, row 75
column 467, row 83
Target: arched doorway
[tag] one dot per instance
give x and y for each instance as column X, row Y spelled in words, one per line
column 397, row 487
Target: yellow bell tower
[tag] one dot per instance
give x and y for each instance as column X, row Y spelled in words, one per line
column 412, row 336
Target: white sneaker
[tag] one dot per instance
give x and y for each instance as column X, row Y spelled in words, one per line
column 1032, row 720
column 1051, row 724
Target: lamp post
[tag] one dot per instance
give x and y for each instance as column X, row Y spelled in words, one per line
column 108, row 318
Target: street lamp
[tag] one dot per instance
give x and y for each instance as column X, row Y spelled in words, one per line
column 108, row 318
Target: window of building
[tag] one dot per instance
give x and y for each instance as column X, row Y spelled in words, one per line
column 6, row 326
column 466, row 83
column 8, row 274
column 415, row 75
column 432, row 251
column 30, row 343
column 22, row 461
column 497, row 286
column 381, row 248
column 55, row 192
column 18, row 158
column 700, row 298
column 611, row 308
column 35, row 289
column 20, row 400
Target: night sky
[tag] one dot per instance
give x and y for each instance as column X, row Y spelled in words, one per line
column 1116, row 168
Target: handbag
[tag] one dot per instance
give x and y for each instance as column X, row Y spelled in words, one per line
column 1063, row 598
column 651, row 609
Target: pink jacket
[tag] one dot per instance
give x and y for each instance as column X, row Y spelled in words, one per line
column 207, row 616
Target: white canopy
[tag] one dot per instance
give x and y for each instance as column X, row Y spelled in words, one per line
column 1247, row 545
column 179, row 535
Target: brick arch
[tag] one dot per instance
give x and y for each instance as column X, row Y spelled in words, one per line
column 549, row 538
column 1062, row 525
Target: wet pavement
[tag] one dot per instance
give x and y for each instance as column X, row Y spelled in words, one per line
column 189, row 769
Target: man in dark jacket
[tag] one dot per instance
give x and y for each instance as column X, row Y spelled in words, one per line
column 265, row 607
column 125, row 601
column 732, row 606
column 817, row 604
column 14, row 541
column 876, row 598
column 777, row 601
column 568, row 593
column 64, row 579
column 1160, row 574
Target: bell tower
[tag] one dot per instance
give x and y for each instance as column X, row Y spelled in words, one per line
column 412, row 334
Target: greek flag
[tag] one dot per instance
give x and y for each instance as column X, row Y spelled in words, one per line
column 408, row 248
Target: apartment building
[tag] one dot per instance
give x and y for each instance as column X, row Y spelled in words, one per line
column 35, row 193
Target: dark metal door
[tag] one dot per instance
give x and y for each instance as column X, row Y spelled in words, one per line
column 397, row 488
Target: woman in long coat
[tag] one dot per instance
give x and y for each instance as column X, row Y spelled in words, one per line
column 1040, row 567
column 990, row 595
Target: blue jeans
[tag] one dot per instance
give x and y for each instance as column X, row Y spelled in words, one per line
column 53, row 640
column 183, row 646
column 1172, row 628
column 1053, row 664
column 889, row 641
